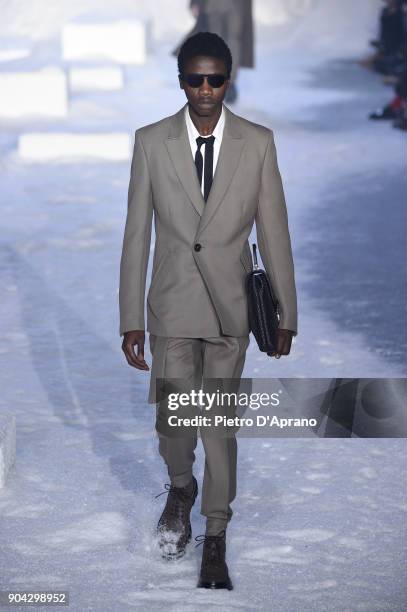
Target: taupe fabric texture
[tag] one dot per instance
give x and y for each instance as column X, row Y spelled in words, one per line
column 191, row 360
column 201, row 293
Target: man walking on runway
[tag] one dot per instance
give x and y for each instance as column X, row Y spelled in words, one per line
column 207, row 175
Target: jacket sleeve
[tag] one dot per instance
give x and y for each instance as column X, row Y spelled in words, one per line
column 273, row 238
column 136, row 242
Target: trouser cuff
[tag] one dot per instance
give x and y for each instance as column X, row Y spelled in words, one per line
column 214, row 526
column 182, row 480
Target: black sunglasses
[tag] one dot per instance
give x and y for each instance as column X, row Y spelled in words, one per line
column 196, row 80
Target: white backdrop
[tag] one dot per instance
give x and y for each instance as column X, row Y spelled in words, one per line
column 323, row 21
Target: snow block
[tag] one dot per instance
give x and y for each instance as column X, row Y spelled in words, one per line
column 41, row 92
column 68, row 147
column 14, row 47
column 9, row 55
column 7, row 446
column 90, row 79
column 122, row 41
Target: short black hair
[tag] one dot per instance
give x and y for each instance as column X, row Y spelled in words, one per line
column 208, row 44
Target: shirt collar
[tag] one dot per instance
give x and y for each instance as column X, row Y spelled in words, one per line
column 218, row 130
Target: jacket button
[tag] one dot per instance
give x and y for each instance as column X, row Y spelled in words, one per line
column 197, row 247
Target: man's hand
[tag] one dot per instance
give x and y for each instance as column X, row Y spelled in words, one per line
column 284, row 339
column 130, row 339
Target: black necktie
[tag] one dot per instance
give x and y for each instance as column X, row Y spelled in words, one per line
column 208, row 171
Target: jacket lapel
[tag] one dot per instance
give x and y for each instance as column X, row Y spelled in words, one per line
column 179, row 150
column 229, row 156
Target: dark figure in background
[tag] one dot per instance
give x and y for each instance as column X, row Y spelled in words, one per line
column 403, row 7
column 233, row 21
column 393, row 62
column 391, row 26
column 396, row 108
column 389, row 58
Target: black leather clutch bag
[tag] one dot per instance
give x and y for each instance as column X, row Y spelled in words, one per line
column 262, row 308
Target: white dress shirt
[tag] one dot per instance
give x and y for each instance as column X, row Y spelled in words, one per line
column 193, row 135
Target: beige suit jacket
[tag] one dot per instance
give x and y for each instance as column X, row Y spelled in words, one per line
column 202, row 253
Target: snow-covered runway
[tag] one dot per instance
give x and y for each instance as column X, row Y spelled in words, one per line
column 319, row 524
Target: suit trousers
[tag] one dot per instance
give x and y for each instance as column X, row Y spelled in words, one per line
column 191, row 360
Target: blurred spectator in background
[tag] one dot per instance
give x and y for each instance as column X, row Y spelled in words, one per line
column 404, row 17
column 233, row 21
column 390, row 56
column 391, row 60
column 391, row 28
column 396, row 107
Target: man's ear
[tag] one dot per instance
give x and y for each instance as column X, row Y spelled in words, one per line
column 181, row 85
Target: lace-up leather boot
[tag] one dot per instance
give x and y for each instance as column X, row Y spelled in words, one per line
column 214, row 571
column 174, row 527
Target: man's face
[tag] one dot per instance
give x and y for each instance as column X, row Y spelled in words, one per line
column 204, row 100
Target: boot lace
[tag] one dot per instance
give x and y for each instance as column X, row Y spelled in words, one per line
column 175, row 495
column 211, row 545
